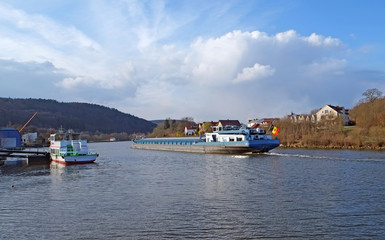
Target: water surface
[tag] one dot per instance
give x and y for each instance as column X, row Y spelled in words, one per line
column 144, row 194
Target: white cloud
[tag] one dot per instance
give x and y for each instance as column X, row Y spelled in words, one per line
column 30, row 37
column 319, row 40
column 40, row 27
column 72, row 82
column 254, row 73
column 325, row 66
column 285, row 37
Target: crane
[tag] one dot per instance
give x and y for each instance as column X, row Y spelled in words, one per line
column 21, row 129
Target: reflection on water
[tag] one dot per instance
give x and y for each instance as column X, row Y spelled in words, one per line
column 21, row 166
column 140, row 194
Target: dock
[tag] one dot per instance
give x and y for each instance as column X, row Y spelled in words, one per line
column 32, row 157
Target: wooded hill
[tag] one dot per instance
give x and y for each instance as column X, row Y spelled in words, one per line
column 82, row 117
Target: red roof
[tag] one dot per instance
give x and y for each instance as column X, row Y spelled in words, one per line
column 191, row 127
column 337, row 108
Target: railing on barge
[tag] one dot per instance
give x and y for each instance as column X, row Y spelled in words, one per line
column 169, row 141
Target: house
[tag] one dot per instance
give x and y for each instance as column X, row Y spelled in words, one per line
column 29, row 137
column 330, row 112
column 254, row 123
column 298, row 118
column 267, row 122
column 227, row 125
column 264, row 122
column 190, row 129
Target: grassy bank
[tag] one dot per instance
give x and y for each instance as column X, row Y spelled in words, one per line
column 368, row 133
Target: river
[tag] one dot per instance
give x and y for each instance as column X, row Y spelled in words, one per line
column 144, row 194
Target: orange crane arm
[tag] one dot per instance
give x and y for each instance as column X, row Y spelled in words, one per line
column 21, row 129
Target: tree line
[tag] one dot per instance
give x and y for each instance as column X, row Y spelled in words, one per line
column 92, row 119
column 172, row 127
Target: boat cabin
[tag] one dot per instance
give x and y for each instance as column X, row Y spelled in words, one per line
column 68, row 142
column 237, row 135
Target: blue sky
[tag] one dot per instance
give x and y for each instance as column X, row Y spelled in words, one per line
column 208, row 60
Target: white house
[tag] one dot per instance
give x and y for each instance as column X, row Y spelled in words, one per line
column 29, row 137
column 254, row 123
column 227, row 125
column 264, row 122
column 190, row 130
column 330, row 112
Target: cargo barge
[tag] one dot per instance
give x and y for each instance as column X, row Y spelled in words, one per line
column 242, row 141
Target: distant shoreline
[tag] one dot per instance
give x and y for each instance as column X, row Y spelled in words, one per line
column 363, row 148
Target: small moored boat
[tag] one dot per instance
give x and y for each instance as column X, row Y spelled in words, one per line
column 69, row 148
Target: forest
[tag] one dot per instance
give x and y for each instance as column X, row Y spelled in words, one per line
column 91, row 119
column 172, row 127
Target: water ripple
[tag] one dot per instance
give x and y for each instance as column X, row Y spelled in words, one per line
column 134, row 194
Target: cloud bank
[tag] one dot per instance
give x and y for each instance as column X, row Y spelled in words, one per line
column 132, row 61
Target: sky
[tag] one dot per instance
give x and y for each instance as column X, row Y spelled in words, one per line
column 209, row 60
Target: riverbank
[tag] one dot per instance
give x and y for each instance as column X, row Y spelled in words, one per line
column 331, row 147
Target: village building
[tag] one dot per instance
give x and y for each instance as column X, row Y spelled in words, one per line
column 330, row 112
column 190, row 130
column 253, row 123
column 263, row 122
column 10, row 138
column 29, row 137
column 298, row 118
column 227, row 125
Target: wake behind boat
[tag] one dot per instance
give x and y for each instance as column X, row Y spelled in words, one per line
column 242, row 141
column 69, row 148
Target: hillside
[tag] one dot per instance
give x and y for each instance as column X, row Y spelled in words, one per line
column 369, row 132
column 78, row 116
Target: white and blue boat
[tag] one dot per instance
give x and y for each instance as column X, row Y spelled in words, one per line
column 242, row 141
column 68, row 148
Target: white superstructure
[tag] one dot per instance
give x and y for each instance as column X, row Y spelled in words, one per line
column 69, row 148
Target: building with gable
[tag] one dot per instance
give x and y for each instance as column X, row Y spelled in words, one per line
column 190, row 129
column 29, row 137
column 263, row 122
column 330, row 112
column 227, row 125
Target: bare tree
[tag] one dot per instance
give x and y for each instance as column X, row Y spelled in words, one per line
column 371, row 95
